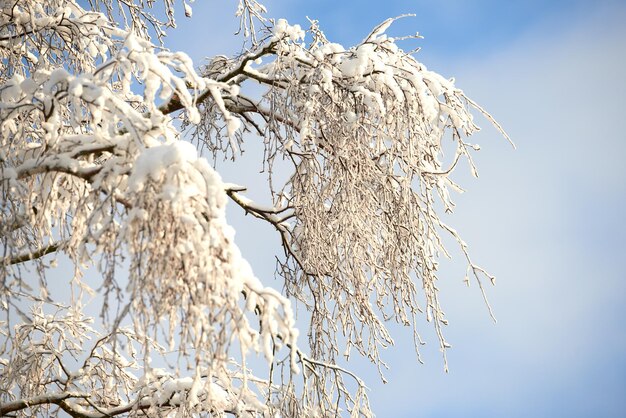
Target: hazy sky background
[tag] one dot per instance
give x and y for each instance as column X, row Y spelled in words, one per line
column 546, row 219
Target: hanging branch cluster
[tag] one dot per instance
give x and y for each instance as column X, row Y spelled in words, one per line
column 93, row 171
column 364, row 130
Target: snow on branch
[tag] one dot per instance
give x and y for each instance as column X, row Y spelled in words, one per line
column 95, row 172
column 365, row 129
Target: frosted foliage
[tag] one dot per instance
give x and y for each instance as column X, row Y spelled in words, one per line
column 372, row 121
column 159, row 314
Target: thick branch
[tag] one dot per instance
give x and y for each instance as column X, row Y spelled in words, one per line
column 61, row 399
column 240, row 69
column 60, row 162
column 35, row 254
column 175, row 104
column 52, row 398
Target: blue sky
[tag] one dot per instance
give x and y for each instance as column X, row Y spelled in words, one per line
column 546, row 219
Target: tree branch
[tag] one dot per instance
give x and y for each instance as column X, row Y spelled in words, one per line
column 35, row 254
column 269, row 215
column 175, row 104
column 52, row 398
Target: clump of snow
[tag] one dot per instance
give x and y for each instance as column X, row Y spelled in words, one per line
column 188, row 9
column 364, row 60
column 282, row 29
column 153, row 163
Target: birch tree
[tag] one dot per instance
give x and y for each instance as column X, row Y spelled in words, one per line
column 159, row 314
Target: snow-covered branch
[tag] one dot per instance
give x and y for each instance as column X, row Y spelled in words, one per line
column 98, row 171
column 55, row 398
